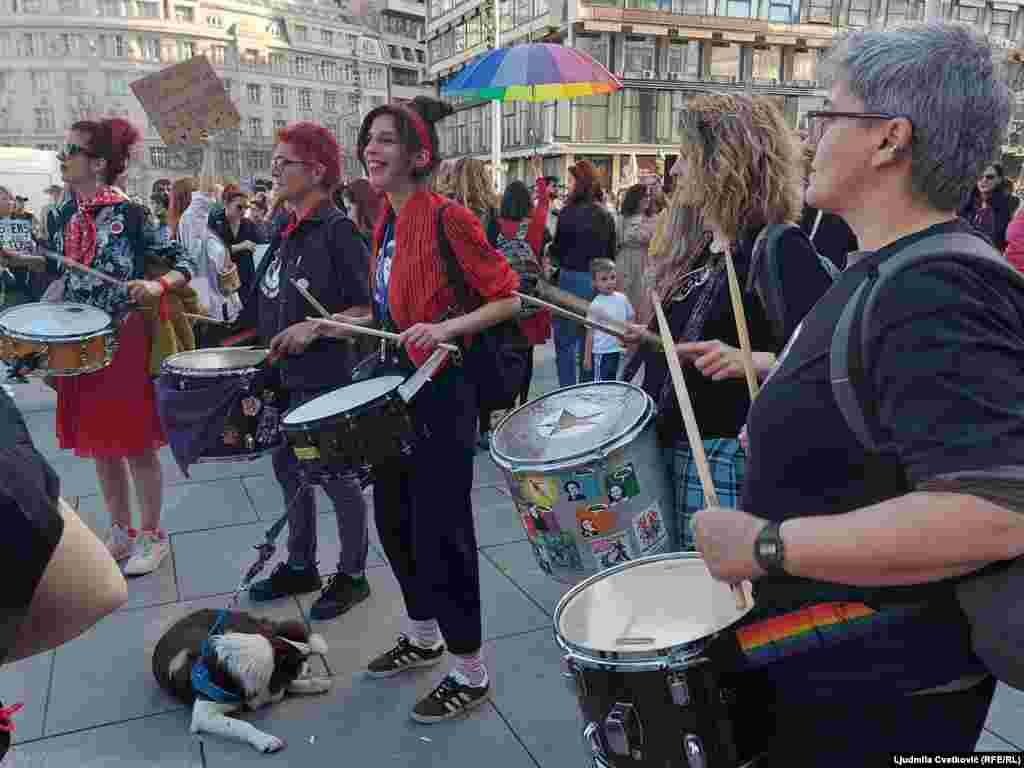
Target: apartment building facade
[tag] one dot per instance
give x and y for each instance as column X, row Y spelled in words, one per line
column 402, row 28
column 282, row 61
column 665, row 52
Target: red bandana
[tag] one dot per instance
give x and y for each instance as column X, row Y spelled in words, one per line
column 80, row 237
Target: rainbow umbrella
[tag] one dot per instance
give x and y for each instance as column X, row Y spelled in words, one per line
column 533, row 72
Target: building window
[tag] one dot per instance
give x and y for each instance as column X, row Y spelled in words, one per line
column 229, row 85
column 279, row 62
column 69, row 7
column 507, row 12
column 259, row 160
column 254, row 92
column 186, row 50
column 301, row 65
column 596, row 46
column 217, row 22
column 48, row 147
column 328, row 70
column 279, row 125
column 639, row 55
column 805, row 66
column 111, row 8
column 591, row 118
column 40, row 82
column 420, row 58
column 228, row 160
column 117, row 85
column 474, row 32
column 1002, row 23
column 118, row 48
column 393, row 51
column 460, row 38
column 218, row 54
column 305, row 99
column 766, row 64
column 331, row 101
column 255, row 127
column 326, row 37
column 725, row 62
column 184, row 14
column 71, row 44
column 302, row 33
column 896, row 12
column 276, row 29
column 277, row 96
column 404, row 77
column 684, row 58
column 737, row 8
column 44, row 120
column 820, row 11
column 32, row 6
column 859, row 13
column 158, row 157
column 783, row 11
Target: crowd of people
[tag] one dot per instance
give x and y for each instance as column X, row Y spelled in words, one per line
column 830, row 531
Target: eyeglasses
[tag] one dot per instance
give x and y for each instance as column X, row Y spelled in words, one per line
column 70, row 150
column 280, row 163
column 818, row 121
column 990, row 177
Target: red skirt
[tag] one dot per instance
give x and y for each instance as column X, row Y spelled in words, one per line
column 111, row 413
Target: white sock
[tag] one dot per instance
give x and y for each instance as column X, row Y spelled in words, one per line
column 470, row 667
column 426, row 634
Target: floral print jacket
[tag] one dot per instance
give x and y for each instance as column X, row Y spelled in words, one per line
column 126, row 244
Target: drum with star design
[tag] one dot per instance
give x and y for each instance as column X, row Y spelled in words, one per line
column 587, row 474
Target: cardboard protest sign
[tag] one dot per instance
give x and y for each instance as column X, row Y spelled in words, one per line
column 185, row 101
column 16, row 235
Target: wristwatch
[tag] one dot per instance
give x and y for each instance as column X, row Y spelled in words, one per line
column 769, row 551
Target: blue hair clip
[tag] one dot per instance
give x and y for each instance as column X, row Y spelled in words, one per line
column 201, row 682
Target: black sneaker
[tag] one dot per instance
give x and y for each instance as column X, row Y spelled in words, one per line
column 450, row 699
column 284, row 581
column 405, row 655
column 339, row 594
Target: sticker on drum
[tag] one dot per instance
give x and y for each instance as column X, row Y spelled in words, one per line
column 595, row 519
column 613, row 550
column 580, row 485
column 649, row 529
column 621, row 483
column 557, row 551
column 537, row 489
column 538, row 519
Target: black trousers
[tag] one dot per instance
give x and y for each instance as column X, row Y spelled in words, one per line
column 424, row 514
column 524, row 396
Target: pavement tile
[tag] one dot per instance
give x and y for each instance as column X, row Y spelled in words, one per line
column 27, row 681
column 1006, row 715
column 42, row 426
column 161, row 741
column 367, row 724
column 497, row 521
column 77, row 476
column 212, row 562
column 31, row 397
column 506, row 610
column 485, row 471
column 517, row 562
column 534, row 699
column 212, row 471
column 106, row 676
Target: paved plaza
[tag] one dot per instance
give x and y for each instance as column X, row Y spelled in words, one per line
column 93, row 702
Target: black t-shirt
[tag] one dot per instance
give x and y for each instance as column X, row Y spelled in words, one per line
column 30, row 521
column 834, row 239
column 946, row 369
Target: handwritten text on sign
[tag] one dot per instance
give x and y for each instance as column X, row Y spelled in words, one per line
column 185, row 101
column 16, row 235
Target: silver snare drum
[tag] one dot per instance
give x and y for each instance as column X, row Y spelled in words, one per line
column 57, row 339
column 590, row 484
column 652, row 660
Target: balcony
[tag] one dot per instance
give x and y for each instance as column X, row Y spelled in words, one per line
column 408, row 7
column 674, row 81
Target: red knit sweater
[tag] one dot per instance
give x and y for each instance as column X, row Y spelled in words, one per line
column 418, row 291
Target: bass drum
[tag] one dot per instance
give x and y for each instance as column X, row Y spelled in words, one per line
column 590, row 484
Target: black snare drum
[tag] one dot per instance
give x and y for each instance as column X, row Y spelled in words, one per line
column 361, row 424
column 655, row 677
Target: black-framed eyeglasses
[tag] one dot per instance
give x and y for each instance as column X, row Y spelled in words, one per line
column 70, row 150
column 989, row 176
column 818, row 120
column 280, row 163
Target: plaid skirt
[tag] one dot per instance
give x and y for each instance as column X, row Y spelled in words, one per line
column 727, row 462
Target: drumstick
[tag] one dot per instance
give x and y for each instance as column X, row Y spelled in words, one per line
column 585, row 321
column 692, row 430
column 741, row 326
column 204, row 319
column 363, row 330
column 582, row 307
column 82, row 267
column 311, row 299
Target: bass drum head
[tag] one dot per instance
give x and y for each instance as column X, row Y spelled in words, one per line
column 340, row 400
column 49, row 320
column 570, row 423
column 215, row 361
column 646, row 609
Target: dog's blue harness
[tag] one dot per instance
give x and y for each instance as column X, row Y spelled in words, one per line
column 201, row 682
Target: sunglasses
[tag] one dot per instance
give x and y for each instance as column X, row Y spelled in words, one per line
column 70, row 150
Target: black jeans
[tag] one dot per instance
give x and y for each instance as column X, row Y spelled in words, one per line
column 524, row 396
column 425, row 516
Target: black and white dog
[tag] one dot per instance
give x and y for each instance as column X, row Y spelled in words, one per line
column 250, row 664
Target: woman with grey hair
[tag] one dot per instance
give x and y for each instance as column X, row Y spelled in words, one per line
column 855, row 554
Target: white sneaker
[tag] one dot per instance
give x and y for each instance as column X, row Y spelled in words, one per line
column 150, row 550
column 120, row 542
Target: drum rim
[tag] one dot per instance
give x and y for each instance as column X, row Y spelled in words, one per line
column 651, row 657
column 305, row 426
column 10, row 333
column 511, row 464
column 167, row 366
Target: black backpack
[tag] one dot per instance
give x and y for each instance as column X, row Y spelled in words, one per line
column 498, row 358
column 990, row 598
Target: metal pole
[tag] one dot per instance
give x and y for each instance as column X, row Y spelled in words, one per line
column 496, row 110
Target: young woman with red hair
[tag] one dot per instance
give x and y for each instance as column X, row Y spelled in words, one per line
column 363, row 203
column 110, row 415
column 422, row 502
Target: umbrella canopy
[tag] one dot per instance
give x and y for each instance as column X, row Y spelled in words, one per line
column 533, row 72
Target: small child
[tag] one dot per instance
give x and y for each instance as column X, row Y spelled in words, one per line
column 602, row 352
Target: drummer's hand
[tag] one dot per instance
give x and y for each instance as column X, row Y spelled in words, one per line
column 336, row 332
column 744, row 440
column 633, row 333
column 245, row 245
column 425, row 336
column 717, row 361
column 295, row 339
column 145, row 291
column 725, row 537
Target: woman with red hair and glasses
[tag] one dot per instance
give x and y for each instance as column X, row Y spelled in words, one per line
column 422, row 502
column 585, row 231
column 110, row 415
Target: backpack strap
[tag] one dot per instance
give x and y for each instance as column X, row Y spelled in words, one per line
column 451, row 266
column 849, row 363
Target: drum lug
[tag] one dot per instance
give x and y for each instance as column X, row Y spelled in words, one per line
column 619, row 725
column 592, row 738
column 678, row 689
column 693, row 748
column 574, row 681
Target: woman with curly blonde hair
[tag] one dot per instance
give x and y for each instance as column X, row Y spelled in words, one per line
column 471, row 185
column 738, row 171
